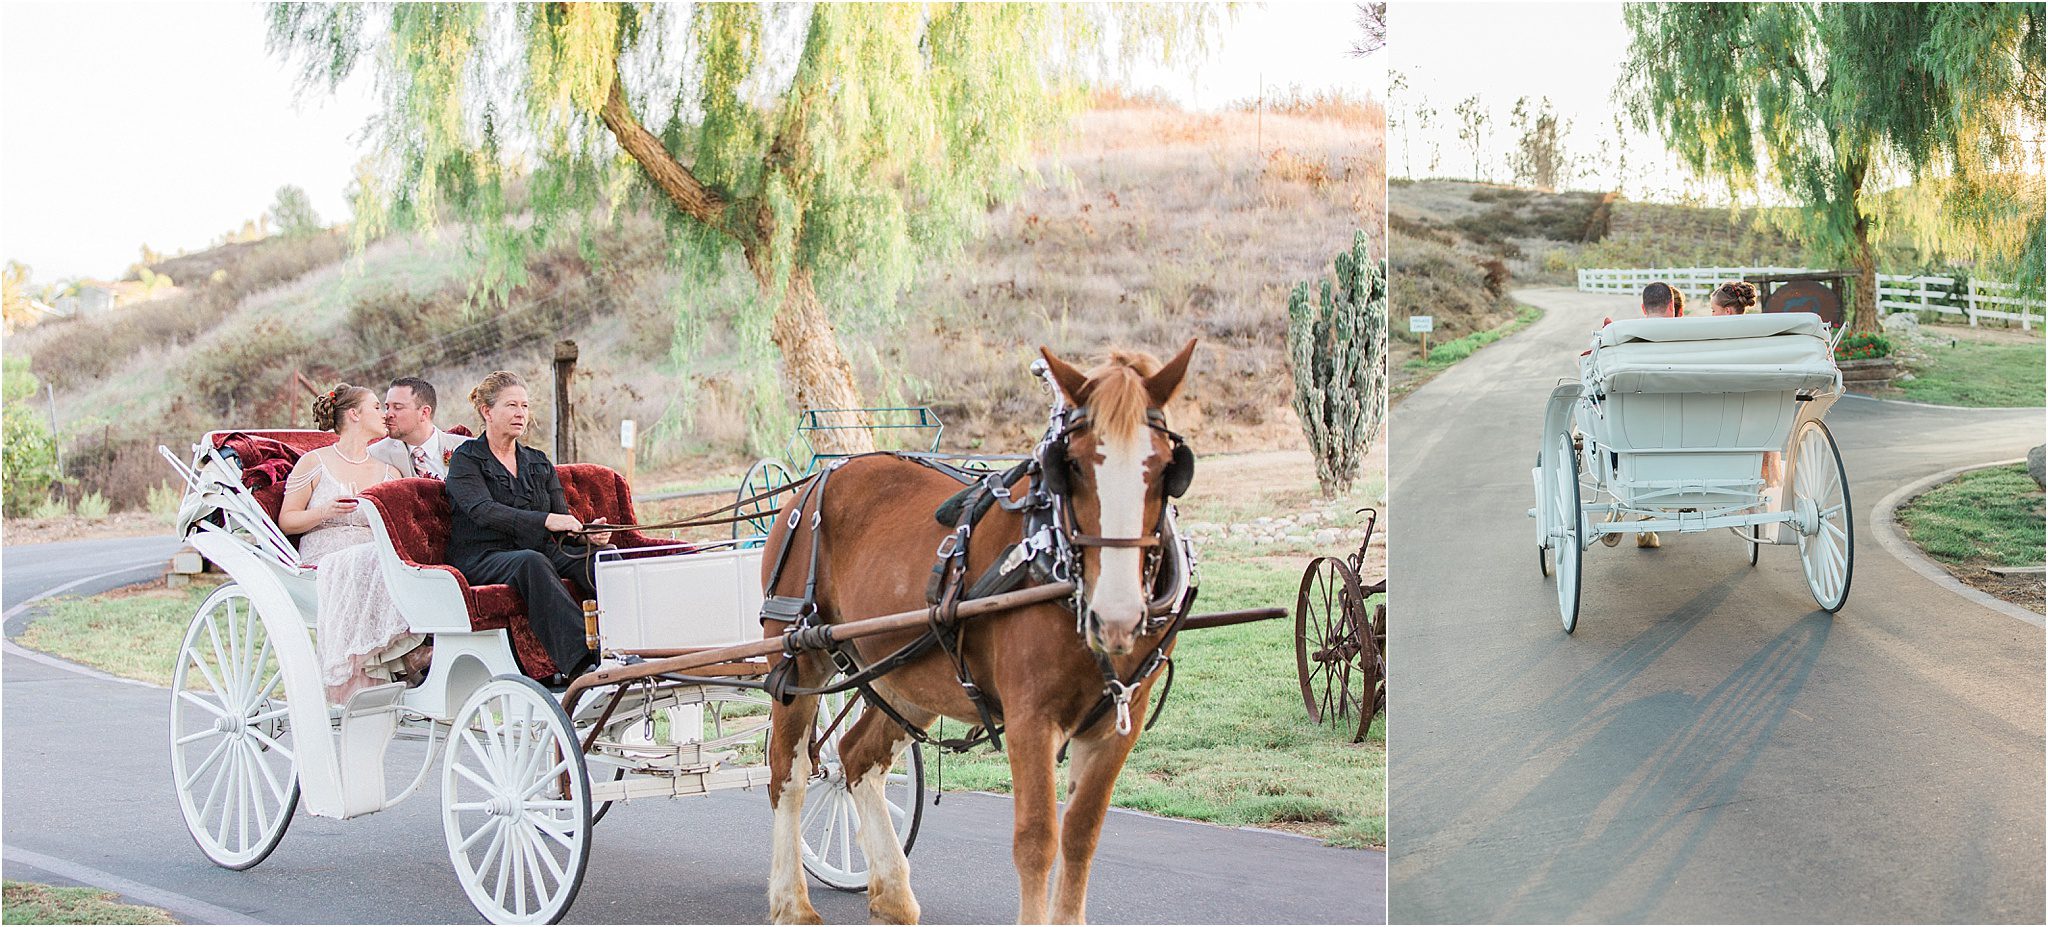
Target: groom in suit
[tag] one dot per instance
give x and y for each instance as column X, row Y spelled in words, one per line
column 414, row 445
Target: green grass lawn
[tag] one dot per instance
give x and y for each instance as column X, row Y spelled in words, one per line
column 1979, row 374
column 1457, row 349
column 133, row 633
column 1989, row 517
column 34, row 903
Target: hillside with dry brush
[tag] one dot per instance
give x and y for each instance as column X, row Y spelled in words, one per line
column 1149, row 225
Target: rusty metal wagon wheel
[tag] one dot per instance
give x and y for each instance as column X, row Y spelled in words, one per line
column 1327, row 645
column 1372, row 665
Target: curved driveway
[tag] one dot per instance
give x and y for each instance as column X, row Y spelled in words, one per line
column 1708, row 747
column 88, row 800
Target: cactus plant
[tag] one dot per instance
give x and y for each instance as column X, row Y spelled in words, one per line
column 1338, row 347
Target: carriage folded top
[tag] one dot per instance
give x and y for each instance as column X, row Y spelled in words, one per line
column 1729, row 354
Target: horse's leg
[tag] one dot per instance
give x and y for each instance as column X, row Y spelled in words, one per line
column 1033, row 745
column 789, row 773
column 866, row 753
column 1092, row 768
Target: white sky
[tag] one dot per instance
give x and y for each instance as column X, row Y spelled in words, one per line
column 1570, row 52
column 168, row 123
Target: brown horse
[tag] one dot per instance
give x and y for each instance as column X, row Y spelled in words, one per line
column 878, row 539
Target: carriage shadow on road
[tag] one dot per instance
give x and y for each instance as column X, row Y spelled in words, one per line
column 1630, row 804
column 1655, row 778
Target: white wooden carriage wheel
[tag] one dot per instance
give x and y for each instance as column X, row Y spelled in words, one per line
column 1567, row 532
column 232, row 759
column 519, row 842
column 830, row 825
column 1820, row 497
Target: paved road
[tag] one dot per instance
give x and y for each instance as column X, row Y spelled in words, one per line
column 1708, row 747
column 88, row 800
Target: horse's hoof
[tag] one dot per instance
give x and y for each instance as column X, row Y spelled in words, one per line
column 794, row 914
column 883, row 909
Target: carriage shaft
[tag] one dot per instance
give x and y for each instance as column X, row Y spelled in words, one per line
column 866, row 627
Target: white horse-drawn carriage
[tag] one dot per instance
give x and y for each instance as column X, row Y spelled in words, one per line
column 522, row 780
column 1691, row 424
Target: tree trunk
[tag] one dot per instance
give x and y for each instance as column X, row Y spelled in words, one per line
column 1863, row 297
column 812, row 363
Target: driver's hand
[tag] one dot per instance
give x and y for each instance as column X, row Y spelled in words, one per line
column 558, row 522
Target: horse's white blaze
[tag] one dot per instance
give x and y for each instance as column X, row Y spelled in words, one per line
column 786, row 890
column 888, row 867
column 1118, row 596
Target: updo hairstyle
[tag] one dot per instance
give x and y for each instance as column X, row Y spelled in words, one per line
column 1739, row 294
column 328, row 406
column 486, row 393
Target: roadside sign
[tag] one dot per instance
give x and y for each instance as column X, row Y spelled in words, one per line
column 1421, row 323
column 626, row 433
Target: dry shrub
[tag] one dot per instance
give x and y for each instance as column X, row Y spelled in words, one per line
column 74, row 353
column 1108, row 98
column 1327, row 105
column 1287, row 166
column 1496, row 277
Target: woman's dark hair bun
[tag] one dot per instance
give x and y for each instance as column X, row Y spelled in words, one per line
column 1738, row 293
column 328, row 406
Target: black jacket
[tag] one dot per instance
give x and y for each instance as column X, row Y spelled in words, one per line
column 495, row 510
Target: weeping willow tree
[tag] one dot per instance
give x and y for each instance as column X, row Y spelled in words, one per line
column 1839, row 106
column 832, row 147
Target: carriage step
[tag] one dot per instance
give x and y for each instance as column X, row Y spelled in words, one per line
column 374, row 699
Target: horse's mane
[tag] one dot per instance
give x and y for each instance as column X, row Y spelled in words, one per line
column 1116, row 396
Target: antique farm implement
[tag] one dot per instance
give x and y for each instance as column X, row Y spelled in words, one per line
column 1340, row 640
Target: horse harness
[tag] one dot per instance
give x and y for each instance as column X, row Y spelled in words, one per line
column 1048, row 551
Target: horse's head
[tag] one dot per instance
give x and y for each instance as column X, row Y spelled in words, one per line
column 1116, row 464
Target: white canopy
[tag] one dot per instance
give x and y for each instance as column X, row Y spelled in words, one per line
column 1725, row 354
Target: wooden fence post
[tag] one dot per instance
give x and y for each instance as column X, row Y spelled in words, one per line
column 565, row 435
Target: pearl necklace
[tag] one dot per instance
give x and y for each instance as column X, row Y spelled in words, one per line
column 365, row 458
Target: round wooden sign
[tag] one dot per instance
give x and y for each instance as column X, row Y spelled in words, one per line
column 1806, row 296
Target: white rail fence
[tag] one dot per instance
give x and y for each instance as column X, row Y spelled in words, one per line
column 1972, row 299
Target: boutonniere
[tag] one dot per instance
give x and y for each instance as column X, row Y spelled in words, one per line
column 446, row 456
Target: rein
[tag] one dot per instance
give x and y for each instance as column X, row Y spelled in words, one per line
column 702, row 519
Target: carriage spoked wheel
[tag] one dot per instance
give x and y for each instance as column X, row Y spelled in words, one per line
column 767, row 476
column 1330, row 647
column 1542, row 552
column 515, row 803
column 830, row 825
column 1567, row 532
column 1820, row 497
column 232, row 757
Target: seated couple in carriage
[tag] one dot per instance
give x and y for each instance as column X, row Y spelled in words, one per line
column 507, row 504
column 1663, row 301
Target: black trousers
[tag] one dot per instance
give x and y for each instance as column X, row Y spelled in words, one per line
column 555, row 615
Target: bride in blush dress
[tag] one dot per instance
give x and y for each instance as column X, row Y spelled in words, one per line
column 361, row 639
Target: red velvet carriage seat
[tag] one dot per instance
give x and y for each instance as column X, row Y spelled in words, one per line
column 268, row 457
column 418, row 515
